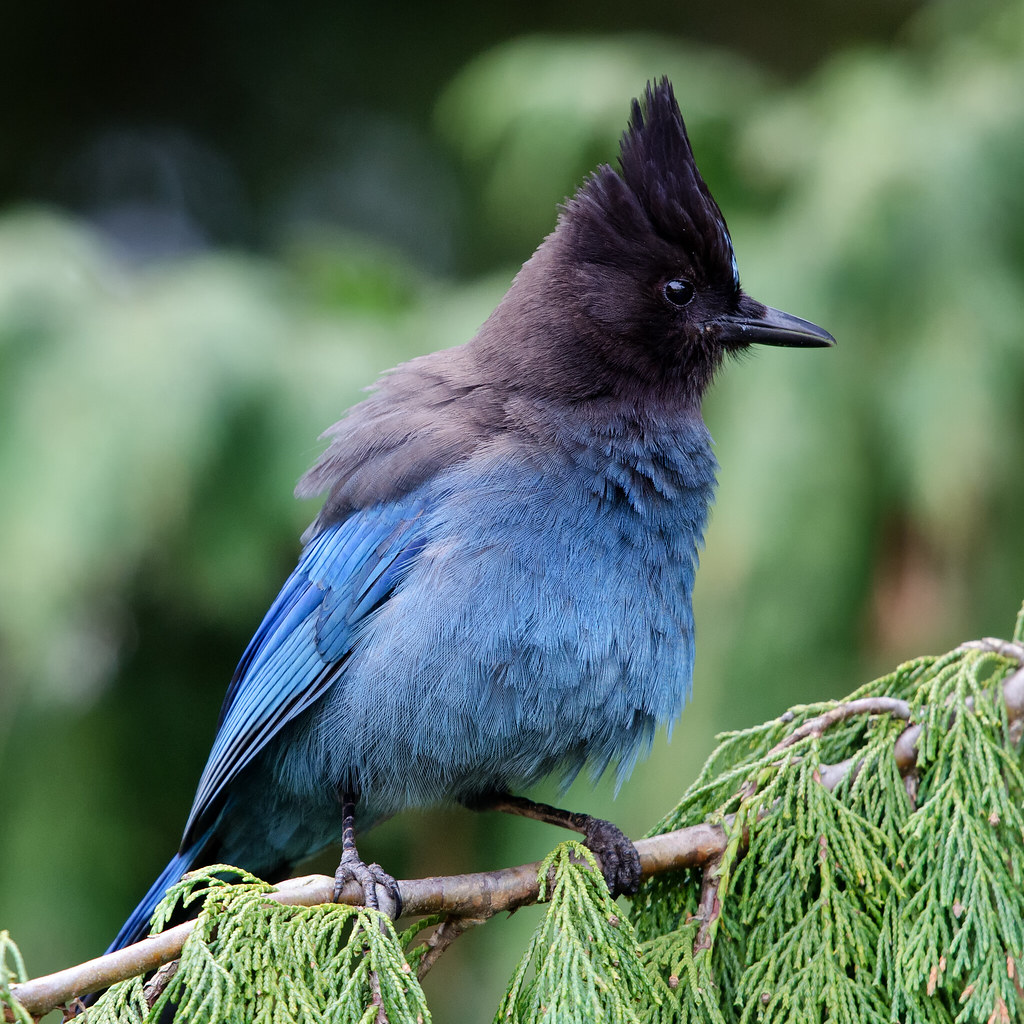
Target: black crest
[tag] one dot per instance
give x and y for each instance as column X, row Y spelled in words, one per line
column 659, row 189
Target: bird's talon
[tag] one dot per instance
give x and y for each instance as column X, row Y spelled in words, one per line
column 620, row 863
column 380, row 890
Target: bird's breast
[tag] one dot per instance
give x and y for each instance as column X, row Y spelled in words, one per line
column 545, row 623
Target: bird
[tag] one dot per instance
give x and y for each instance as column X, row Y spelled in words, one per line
column 497, row 587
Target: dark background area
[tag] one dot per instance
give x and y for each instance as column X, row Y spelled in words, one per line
column 220, row 111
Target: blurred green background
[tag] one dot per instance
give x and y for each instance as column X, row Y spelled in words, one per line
column 220, row 222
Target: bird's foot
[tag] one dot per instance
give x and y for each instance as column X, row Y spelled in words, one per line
column 620, row 863
column 380, row 890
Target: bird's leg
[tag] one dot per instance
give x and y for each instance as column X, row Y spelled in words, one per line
column 369, row 876
column 620, row 863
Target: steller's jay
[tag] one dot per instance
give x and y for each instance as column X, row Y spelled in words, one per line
column 497, row 587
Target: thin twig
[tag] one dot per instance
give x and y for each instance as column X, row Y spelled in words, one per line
column 442, row 937
column 1007, row 648
column 155, row 986
column 905, row 747
column 709, row 909
column 849, row 709
column 378, row 999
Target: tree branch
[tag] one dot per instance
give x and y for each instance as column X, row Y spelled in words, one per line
column 477, row 895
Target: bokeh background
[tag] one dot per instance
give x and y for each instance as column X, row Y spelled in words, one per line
column 221, row 221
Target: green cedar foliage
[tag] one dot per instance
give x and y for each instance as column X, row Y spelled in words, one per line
column 849, row 891
column 584, row 962
column 883, row 898
column 10, row 973
column 252, row 960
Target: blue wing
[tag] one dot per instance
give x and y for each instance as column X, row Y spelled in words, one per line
column 344, row 573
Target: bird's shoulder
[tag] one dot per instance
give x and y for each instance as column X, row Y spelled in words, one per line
column 420, row 419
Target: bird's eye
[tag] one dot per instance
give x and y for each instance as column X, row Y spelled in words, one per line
column 679, row 291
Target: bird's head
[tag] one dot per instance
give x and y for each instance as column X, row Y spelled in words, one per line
column 642, row 264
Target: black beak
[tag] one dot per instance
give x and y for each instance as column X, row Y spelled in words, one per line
column 771, row 327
